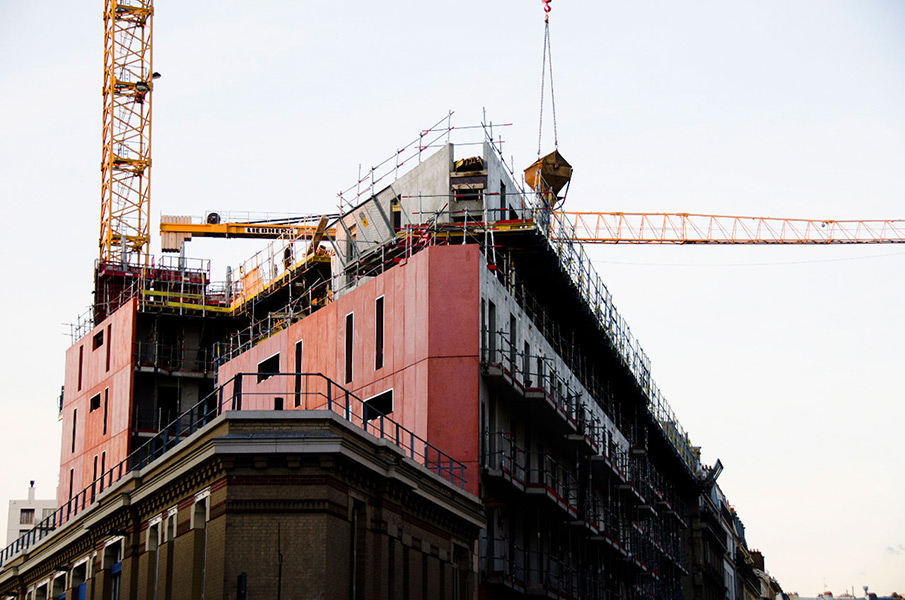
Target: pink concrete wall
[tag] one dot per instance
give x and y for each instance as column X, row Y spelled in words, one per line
column 431, row 350
column 90, row 440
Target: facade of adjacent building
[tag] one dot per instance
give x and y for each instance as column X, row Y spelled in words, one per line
column 25, row 514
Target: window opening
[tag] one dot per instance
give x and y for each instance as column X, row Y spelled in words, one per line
column 378, row 333
column 513, row 341
column 491, row 326
column 75, row 416
column 106, row 398
column 375, row 406
column 278, row 403
column 349, row 336
column 81, row 356
column 268, row 367
column 98, row 340
column 298, row 370
column 109, row 344
column 26, row 516
column 167, row 405
column 94, row 403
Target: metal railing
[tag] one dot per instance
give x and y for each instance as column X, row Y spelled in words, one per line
column 171, row 357
column 545, row 473
column 504, row 455
column 530, row 372
column 306, row 391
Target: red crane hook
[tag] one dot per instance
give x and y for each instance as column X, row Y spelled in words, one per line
column 547, row 7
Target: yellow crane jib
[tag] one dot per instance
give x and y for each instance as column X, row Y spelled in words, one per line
column 174, row 230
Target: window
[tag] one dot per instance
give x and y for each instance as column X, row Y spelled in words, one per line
column 81, row 356
column 98, row 340
column 113, row 562
column 277, row 403
column 513, row 341
column 396, row 210
column 375, row 406
column 106, row 397
column 94, row 403
column 109, row 328
column 75, row 416
column 27, row 516
column 503, row 204
column 298, row 370
column 349, row 331
column 46, row 513
column 378, row 333
column 103, row 463
column 268, row 367
column 491, row 327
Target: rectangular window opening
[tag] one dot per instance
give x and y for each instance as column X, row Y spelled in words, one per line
column 81, row 357
column 349, row 337
column 109, row 328
column 378, row 337
column 98, row 340
column 106, row 398
column 379, row 405
column 94, row 403
column 298, row 371
column 278, row 403
column 268, row 367
column 75, row 416
column 26, row 516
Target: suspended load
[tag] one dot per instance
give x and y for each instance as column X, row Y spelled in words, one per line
column 548, row 176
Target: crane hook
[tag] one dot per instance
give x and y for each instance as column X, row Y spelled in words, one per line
column 547, row 7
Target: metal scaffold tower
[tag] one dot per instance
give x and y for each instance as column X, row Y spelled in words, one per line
column 126, row 158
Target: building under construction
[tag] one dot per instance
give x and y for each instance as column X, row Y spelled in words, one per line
column 427, row 395
column 495, row 430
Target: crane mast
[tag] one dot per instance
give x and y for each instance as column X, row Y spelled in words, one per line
column 126, row 152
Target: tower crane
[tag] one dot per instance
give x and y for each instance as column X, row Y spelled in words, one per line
column 126, row 150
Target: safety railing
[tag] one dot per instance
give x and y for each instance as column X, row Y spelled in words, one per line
column 575, row 263
column 551, row 575
column 306, row 391
column 547, row 475
column 503, row 560
column 171, row 357
column 504, row 456
column 530, row 373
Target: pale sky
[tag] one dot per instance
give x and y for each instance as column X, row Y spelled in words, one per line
column 784, row 362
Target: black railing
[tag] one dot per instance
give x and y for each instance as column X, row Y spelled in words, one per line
column 305, row 391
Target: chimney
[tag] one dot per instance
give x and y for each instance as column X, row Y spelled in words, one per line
column 31, row 492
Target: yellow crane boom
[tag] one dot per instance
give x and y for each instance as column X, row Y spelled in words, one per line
column 174, row 230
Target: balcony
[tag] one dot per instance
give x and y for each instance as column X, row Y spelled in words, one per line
column 552, row 577
column 503, row 563
column 548, row 478
column 612, row 464
column 533, row 382
column 589, row 437
column 505, row 460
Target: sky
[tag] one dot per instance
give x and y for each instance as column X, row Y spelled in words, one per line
column 786, row 363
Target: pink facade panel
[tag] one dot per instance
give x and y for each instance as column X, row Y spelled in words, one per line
column 97, row 402
column 429, row 350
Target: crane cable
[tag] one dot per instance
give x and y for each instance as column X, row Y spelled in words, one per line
column 548, row 59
